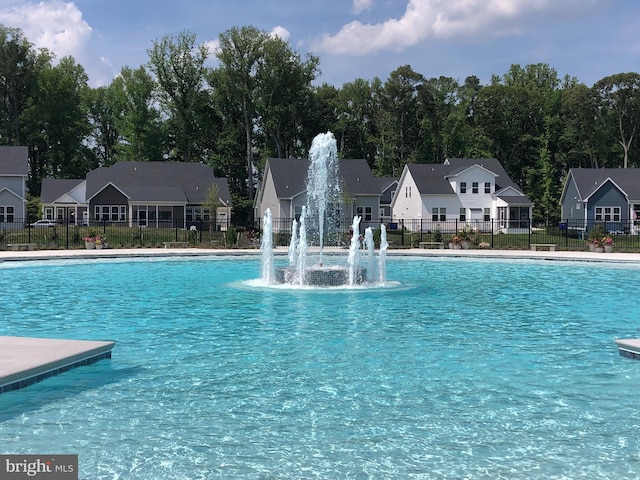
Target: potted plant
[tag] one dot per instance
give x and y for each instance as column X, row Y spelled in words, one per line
column 607, row 243
column 455, row 242
column 595, row 238
column 100, row 241
column 465, row 237
column 594, row 244
column 90, row 242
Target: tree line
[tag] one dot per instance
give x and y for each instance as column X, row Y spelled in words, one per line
column 261, row 101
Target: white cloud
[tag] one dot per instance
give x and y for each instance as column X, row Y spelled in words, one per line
column 281, row 33
column 443, row 19
column 360, row 6
column 54, row 24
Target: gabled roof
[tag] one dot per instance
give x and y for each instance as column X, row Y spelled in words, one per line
column 432, row 178
column 492, row 164
column 589, row 180
column 55, row 188
column 11, row 192
column 14, row 161
column 173, row 182
column 290, row 176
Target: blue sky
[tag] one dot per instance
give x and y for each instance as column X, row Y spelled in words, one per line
column 588, row 39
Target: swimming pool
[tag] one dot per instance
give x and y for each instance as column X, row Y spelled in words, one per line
column 468, row 369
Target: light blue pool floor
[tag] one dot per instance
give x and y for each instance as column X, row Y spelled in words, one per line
column 467, row 369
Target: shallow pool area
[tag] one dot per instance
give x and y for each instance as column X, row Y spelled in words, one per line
column 460, row 368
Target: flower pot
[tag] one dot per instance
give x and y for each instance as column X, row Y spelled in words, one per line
column 90, row 245
column 455, row 246
column 608, row 248
column 599, row 249
column 592, row 247
column 466, row 244
column 99, row 246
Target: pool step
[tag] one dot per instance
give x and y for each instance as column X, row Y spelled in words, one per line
column 629, row 347
column 25, row 361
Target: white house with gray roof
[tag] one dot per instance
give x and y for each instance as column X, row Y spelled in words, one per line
column 14, row 170
column 139, row 194
column 283, row 190
column 610, row 196
column 461, row 192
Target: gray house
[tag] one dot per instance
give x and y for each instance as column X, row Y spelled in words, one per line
column 610, row 196
column 139, row 193
column 283, row 190
column 14, row 169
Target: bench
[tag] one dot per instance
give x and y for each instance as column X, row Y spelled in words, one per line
column 175, row 244
column 550, row 246
column 19, row 246
column 431, row 244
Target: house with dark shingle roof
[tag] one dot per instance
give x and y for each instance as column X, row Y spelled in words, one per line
column 283, row 189
column 476, row 193
column 14, row 170
column 610, row 196
column 139, row 194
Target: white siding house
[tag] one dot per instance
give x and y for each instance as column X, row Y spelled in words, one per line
column 460, row 193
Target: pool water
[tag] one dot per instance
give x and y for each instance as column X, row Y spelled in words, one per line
column 481, row 369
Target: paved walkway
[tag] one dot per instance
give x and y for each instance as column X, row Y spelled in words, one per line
column 155, row 252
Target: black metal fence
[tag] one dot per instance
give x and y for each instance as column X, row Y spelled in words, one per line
column 513, row 234
column 566, row 235
column 66, row 234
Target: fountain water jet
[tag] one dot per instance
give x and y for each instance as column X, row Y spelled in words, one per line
column 323, row 188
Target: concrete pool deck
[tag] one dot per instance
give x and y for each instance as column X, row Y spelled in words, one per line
column 615, row 257
column 24, row 361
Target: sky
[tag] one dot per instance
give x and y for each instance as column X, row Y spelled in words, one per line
column 586, row 39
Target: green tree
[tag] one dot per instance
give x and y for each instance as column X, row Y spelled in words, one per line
column 357, row 129
column 619, row 108
column 103, row 111
column 139, row 122
column 399, row 120
column 179, row 68
column 20, row 65
column 283, row 82
column 58, row 125
column 235, row 86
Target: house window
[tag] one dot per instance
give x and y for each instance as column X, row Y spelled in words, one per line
column 7, row 213
column 381, row 212
column 439, row 214
column 463, row 187
column 487, row 187
column 487, row 214
column 48, row 213
column 608, row 214
column 110, row 213
column 365, row 213
column 463, row 214
column 407, row 192
column 474, row 187
column 297, row 211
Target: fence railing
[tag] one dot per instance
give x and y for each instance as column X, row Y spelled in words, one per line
column 567, row 234
column 66, row 234
column 511, row 234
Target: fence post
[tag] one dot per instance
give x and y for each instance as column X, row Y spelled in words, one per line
column 492, row 232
